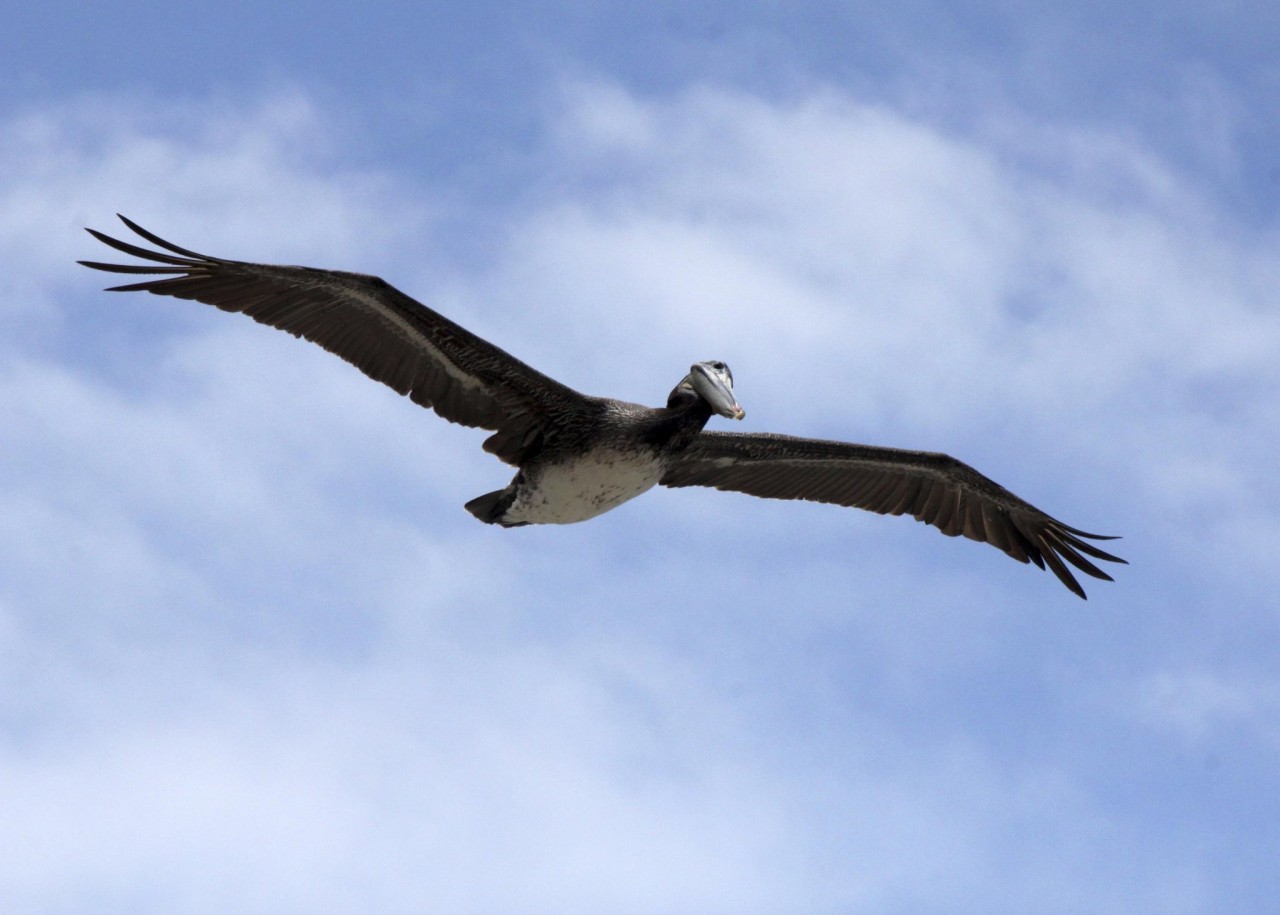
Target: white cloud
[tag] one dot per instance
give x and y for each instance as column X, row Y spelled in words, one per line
column 1200, row 705
column 459, row 778
column 257, row 658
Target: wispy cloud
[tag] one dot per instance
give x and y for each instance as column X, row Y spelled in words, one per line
column 257, row 658
column 1199, row 705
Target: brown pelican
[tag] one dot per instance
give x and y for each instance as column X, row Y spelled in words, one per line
column 580, row 456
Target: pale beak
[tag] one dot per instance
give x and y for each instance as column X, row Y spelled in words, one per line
column 716, row 391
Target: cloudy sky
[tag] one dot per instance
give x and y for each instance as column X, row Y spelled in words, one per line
column 255, row 657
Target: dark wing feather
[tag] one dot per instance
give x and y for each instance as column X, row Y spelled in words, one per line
column 933, row 488
column 380, row 330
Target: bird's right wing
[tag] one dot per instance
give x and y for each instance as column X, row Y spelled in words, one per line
column 933, row 488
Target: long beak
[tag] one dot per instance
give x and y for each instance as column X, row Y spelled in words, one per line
column 717, row 392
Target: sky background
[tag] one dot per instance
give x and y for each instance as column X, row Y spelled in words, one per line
column 255, row 657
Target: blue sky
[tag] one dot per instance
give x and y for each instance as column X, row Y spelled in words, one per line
column 255, row 657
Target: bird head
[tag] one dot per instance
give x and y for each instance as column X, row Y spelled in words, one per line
column 712, row 382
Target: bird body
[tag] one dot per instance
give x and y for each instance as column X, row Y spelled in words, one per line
column 626, row 452
column 579, row 456
column 571, row 489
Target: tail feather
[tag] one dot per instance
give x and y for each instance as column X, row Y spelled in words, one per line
column 490, row 507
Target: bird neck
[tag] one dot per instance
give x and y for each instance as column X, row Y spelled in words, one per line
column 680, row 422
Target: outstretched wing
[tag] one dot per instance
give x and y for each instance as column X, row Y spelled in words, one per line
column 380, row 330
column 933, row 488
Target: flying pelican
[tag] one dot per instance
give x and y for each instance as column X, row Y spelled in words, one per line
column 579, row 456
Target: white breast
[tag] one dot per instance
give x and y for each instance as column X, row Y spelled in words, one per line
column 583, row 487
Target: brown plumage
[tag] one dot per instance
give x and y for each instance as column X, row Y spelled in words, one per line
column 933, row 488
column 378, row 329
column 580, row 455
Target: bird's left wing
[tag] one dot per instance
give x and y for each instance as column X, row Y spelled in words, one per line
column 380, row 330
column 934, row 488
